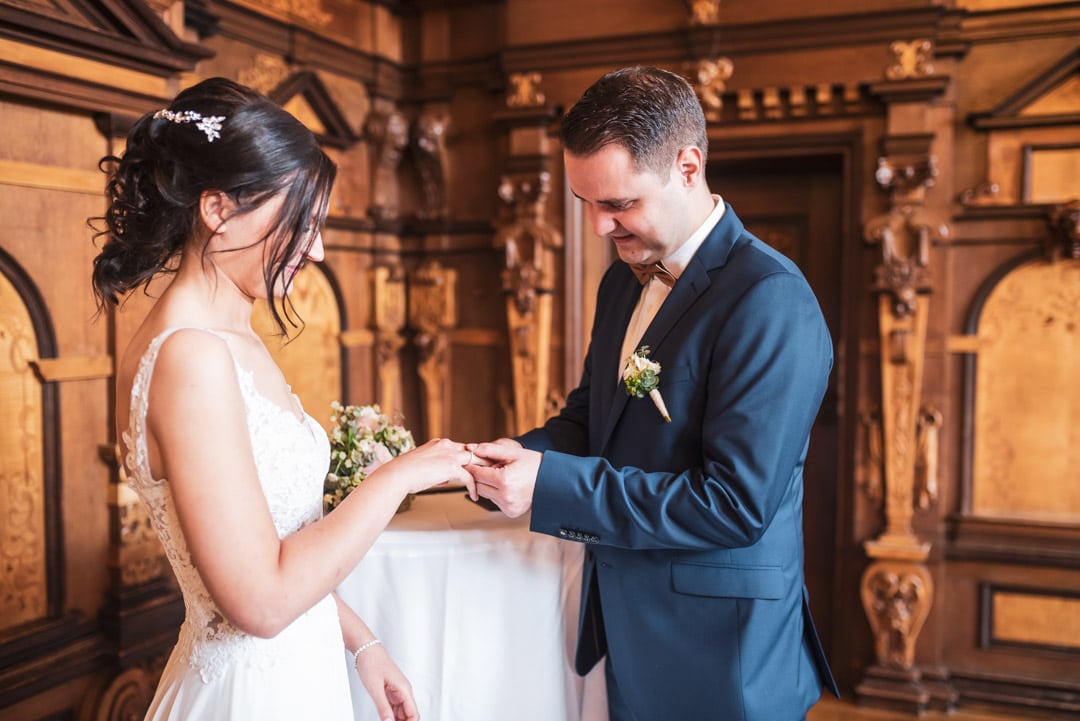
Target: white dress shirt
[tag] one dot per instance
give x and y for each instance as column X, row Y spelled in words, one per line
column 655, row 292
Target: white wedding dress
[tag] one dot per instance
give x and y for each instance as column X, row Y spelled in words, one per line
column 217, row 672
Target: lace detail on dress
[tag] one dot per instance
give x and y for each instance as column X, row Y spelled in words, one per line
column 291, row 458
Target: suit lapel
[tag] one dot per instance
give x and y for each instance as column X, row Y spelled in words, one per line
column 712, row 254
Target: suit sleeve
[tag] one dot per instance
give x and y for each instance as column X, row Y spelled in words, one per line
column 768, row 366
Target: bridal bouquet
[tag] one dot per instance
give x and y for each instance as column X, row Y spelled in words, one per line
column 362, row 439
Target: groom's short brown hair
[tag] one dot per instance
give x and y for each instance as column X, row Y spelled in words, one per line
column 651, row 112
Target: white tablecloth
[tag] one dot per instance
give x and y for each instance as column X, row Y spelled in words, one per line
column 479, row 613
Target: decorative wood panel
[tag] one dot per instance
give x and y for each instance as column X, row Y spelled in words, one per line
column 1027, row 403
column 1031, row 618
column 23, row 543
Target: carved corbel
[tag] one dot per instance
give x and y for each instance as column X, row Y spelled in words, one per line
column 704, row 12
column 897, row 597
column 524, row 91
column 911, row 59
column 387, row 131
column 429, row 154
column 388, row 286
column 905, row 236
column 528, row 242
column 710, row 77
column 432, row 313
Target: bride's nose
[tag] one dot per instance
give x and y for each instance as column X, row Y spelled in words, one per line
column 316, row 252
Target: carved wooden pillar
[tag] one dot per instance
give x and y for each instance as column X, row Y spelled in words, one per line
column 897, row 588
column 528, row 278
column 433, row 312
column 388, row 287
column 529, row 243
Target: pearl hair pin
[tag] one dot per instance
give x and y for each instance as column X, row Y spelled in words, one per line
column 211, row 124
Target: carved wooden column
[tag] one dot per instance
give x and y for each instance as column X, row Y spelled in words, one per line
column 897, row 588
column 529, row 243
column 388, row 287
column 432, row 313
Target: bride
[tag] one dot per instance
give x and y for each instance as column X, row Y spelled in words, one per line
column 227, row 191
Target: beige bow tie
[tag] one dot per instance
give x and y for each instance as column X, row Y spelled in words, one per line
column 645, row 271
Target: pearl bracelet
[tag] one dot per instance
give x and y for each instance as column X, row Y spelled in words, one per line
column 364, row 647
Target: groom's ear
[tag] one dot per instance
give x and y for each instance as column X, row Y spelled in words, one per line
column 690, row 165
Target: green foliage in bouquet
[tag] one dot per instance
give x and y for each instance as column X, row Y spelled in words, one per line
column 362, row 439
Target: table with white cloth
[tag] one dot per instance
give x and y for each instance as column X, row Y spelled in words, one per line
column 478, row 612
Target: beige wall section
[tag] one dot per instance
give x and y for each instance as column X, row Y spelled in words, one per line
column 1027, row 403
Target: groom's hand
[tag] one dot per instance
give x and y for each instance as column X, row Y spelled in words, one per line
column 510, row 476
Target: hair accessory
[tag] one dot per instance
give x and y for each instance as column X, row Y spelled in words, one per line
column 211, row 124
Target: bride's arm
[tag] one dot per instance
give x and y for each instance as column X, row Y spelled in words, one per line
column 199, row 441
column 388, row 687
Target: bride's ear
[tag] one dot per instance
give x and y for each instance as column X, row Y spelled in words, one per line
column 215, row 207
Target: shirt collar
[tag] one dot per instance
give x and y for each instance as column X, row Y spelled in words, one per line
column 677, row 261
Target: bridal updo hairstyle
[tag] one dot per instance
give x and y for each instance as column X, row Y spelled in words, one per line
column 153, row 194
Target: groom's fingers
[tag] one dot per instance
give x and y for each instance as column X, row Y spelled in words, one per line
column 497, row 452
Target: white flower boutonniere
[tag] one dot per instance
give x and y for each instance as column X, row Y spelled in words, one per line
column 642, row 377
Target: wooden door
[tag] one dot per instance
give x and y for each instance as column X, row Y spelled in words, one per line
column 797, row 206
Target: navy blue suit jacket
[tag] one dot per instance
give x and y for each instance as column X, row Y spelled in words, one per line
column 693, row 578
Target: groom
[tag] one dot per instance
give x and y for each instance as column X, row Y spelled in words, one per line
column 693, row 579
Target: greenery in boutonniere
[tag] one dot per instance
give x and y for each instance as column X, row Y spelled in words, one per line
column 362, row 439
column 642, row 378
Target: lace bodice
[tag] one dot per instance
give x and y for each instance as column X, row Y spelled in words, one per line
column 291, row 458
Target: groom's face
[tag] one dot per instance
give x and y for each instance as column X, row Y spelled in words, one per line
column 641, row 212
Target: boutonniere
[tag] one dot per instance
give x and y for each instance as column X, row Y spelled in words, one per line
column 642, row 378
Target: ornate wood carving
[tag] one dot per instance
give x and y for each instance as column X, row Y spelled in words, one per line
column 429, row 154
column 897, row 598
column 432, row 313
column 704, row 12
column 911, row 59
column 124, row 697
column 710, row 77
column 23, row 541
column 387, row 131
column 896, row 589
column 528, row 280
column 266, row 73
column 524, row 91
column 388, row 323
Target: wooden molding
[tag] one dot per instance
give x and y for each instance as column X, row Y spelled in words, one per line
column 51, row 177
column 51, row 370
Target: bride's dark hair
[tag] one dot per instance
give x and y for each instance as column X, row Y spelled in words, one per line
column 153, row 193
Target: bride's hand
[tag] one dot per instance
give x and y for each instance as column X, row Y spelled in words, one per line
column 437, row 462
column 387, row 685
